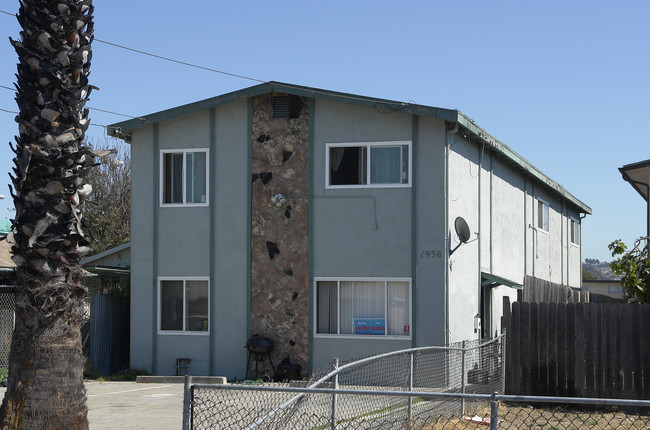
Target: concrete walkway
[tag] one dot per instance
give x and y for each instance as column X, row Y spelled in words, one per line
column 133, row 406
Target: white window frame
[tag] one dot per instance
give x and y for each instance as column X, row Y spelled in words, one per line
column 368, row 145
column 574, row 227
column 338, row 335
column 162, row 176
column 183, row 332
column 546, row 212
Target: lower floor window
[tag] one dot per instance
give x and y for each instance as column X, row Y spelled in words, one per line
column 375, row 307
column 184, row 305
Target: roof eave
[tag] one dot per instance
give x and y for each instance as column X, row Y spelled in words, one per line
column 122, row 130
column 637, row 184
column 520, row 161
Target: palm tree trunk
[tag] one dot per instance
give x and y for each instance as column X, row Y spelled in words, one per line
column 45, row 383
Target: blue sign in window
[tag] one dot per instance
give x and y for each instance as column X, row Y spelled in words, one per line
column 369, row 326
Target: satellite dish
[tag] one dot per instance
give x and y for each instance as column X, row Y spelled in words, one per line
column 462, row 231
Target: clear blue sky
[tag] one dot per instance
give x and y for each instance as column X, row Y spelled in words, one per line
column 566, row 84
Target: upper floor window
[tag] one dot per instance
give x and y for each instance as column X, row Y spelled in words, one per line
column 368, row 164
column 374, row 307
column 184, row 177
column 575, row 232
column 183, row 305
column 542, row 215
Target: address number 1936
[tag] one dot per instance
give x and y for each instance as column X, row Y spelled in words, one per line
column 431, row 254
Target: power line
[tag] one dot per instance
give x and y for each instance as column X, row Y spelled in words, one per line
column 89, row 107
column 96, row 125
column 160, row 57
column 209, row 69
column 400, row 106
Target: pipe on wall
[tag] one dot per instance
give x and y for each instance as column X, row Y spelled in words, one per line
column 446, row 229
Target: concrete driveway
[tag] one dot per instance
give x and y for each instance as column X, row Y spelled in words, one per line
column 130, row 405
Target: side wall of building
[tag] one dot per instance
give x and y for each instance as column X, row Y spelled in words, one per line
column 500, row 204
column 208, row 242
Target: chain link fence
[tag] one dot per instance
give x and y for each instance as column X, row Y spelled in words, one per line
column 363, row 393
column 237, row 407
column 7, row 304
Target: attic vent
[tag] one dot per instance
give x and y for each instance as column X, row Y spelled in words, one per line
column 288, row 106
column 281, row 107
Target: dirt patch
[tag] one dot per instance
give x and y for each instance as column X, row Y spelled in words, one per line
column 560, row 418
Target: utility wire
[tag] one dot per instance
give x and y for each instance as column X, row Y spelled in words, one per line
column 196, row 66
column 89, row 107
column 209, row 69
column 401, row 106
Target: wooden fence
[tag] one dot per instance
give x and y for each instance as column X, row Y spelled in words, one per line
column 538, row 290
column 578, row 349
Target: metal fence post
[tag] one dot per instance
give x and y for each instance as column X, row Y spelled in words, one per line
column 503, row 362
column 187, row 402
column 410, row 407
column 335, row 386
column 494, row 412
column 462, row 381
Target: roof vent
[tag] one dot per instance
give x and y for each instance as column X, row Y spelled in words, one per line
column 281, row 107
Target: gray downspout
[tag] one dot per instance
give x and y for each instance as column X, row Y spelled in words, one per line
column 213, row 239
column 446, row 230
column 310, row 237
column 525, row 227
column 480, row 241
column 414, row 244
column 154, row 222
column 491, row 216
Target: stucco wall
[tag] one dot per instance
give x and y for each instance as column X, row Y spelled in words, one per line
column 183, row 235
column 463, row 265
column 499, row 204
column 142, row 273
column 345, row 240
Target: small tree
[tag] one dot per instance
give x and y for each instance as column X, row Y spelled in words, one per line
column 107, row 212
column 634, row 265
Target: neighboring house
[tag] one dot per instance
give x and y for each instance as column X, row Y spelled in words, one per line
column 638, row 175
column 611, row 288
column 325, row 221
column 108, row 267
column 6, row 264
column 107, row 338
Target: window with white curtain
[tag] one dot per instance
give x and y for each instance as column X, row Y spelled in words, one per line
column 368, row 164
column 184, row 177
column 358, row 307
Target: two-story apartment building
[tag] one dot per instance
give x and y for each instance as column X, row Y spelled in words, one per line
column 326, row 222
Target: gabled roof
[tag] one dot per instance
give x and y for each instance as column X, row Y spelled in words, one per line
column 123, row 129
column 638, row 175
column 97, row 257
